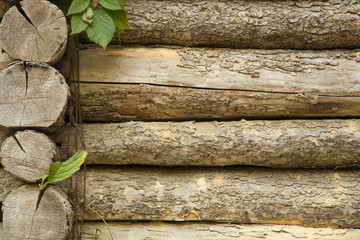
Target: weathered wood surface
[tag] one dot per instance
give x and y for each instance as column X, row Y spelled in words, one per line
column 5, row 60
column 192, row 84
column 28, row 154
column 144, row 102
column 37, row 32
column 285, row 143
column 330, row 73
column 52, row 220
column 211, row 231
column 32, row 95
column 4, row 6
column 313, row 198
column 245, row 24
column 8, row 183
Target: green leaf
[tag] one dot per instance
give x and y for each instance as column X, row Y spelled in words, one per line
column 78, row 6
column 111, row 4
column 102, row 28
column 60, row 171
column 120, row 19
column 122, row 3
column 77, row 24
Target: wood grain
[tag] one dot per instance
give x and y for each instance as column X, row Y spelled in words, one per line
column 8, row 183
column 313, row 198
column 219, row 231
column 285, row 143
column 36, row 33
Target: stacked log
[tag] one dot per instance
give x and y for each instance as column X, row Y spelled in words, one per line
column 33, row 96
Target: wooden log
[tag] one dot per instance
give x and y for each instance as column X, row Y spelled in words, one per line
column 33, row 95
column 199, row 84
column 52, row 220
column 244, row 24
column 285, row 144
column 8, row 183
column 5, row 60
column 219, row 231
column 28, row 154
column 313, row 198
column 4, row 6
column 36, row 32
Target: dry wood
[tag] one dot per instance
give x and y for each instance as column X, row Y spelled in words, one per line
column 52, row 220
column 36, row 32
column 7, row 184
column 5, row 60
column 33, row 95
column 313, row 198
column 329, row 73
column 4, row 6
column 28, row 154
column 286, row 144
column 245, row 24
column 211, row 231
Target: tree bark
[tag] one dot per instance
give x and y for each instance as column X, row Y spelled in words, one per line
column 28, row 154
column 244, row 24
column 36, row 32
column 200, row 84
column 313, row 198
column 52, row 220
column 285, row 144
column 219, row 231
column 33, row 95
column 7, row 184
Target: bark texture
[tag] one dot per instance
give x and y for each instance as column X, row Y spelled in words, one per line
column 37, row 32
column 330, row 73
column 193, row 83
column 7, row 184
column 286, row 144
column 211, row 231
column 313, row 198
column 145, row 102
column 245, row 24
column 52, row 220
column 32, row 95
column 28, row 154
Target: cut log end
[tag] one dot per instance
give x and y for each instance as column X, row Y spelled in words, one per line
column 52, row 220
column 32, row 95
column 36, row 32
column 27, row 155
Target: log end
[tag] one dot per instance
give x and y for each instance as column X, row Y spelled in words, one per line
column 36, row 32
column 52, row 220
column 27, row 155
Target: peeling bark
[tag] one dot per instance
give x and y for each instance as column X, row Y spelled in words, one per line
column 313, row 198
column 211, row 231
column 245, row 24
column 285, row 144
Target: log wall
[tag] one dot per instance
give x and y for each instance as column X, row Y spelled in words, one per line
column 245, row 24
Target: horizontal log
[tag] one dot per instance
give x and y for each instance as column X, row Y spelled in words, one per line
column 145, row 102
column 244, row 24
column 313, row 198
column 286, row 143
column 199, row 84
column 210, row 231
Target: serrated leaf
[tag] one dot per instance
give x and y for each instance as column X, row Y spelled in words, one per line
column 102, row 28
column 60, row 171
column 111, row 4
column 77, row 24
column 120, row 19
column 78, row 6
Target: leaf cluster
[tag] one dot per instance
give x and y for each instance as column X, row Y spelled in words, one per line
column 99, row 18
column 60, row 171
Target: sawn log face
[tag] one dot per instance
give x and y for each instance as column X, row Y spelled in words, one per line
column 314, row 198
column 286, row 143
